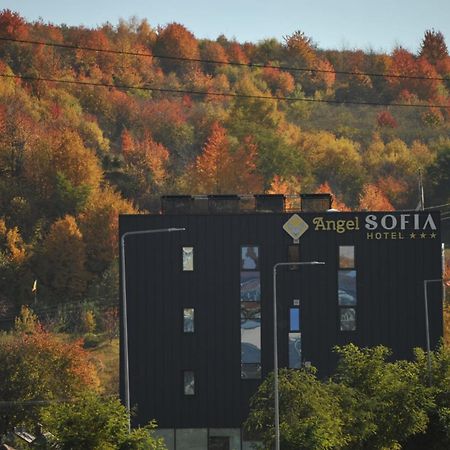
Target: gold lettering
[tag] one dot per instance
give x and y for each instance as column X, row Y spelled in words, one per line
column 318, row 222
column 356, row 223
column 400, row 235
column 340, row 226
column 369, row 235
column 393, row 235
column 351, row 225
column 377, row 235
column 331, row 225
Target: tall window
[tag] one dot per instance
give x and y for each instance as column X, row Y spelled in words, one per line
column 188, row 320
column 250, row 293
column 189, row 382
column 188, row 259
column 347, row 299
column 295, row 339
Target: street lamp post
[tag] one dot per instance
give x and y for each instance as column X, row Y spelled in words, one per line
column 275, row 342
column 427, row 323
column 126, row 364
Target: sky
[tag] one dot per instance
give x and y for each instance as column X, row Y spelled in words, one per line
column 377, row 25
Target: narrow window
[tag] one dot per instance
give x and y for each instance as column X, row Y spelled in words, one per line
column 189, row 382
column 188, row 320
column 347, row 287
column 348, row 319
column 294, row 319
column 347, row 298
column 346, row 257
column 249, row 257
column 188, row 259
column 295, row 350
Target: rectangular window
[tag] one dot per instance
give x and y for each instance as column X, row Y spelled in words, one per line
column 348, row 319
column 188, row 320
column 249, row 257
column 347, row 287
column 188, row 259
column 250, row 287
column 189, row 382
column 218, row 443
column 346, row 256
column 250, row 371
column 251, row 340
column 295, row 350
column 294, row 319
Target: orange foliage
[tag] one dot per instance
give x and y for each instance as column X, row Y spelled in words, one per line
column 220, row 170
column 212, row 51
column 237, row 54
column 386, row 119
column 99, row 224
column 280, row 83
column 373, row 199
column 62, row 260
column 336, row 203
column 177, row 41
column 12, row 25
column 326, row 78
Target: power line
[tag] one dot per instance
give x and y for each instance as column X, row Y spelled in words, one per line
column 219, row 94
column 212, row 61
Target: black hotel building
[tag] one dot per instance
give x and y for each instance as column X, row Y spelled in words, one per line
column 200, row 301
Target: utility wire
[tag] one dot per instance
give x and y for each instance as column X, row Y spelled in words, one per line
column 219, row 94
column 212, row 61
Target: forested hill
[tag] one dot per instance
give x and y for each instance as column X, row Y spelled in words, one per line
column 100, row 121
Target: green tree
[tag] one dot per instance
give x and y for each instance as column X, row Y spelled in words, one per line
column 391, row 393
column 310, row 416
column 96, row 423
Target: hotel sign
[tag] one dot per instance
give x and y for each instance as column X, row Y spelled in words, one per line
column 387, row 226
column 399, row 226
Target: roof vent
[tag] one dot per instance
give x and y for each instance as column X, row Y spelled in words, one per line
column 269, row 202
column 316, row 202
column 176, row 204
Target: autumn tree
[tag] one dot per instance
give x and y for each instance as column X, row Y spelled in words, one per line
column 175, row 40
column 61, row 262
column 433, row 47
column 372, row 198
column 212, row 51
column 99, row 223
column 336, row 203
column 212, row 170
column 386, row 119
column 37, row 367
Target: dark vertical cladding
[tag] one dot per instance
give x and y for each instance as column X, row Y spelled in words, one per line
column 393, row 254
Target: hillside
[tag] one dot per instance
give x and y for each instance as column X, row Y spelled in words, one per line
column 100, row 121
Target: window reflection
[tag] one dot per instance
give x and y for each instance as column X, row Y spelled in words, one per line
column 347, row 287
column 188, row 320
column 348, row 319
column 249, row 258
column 250, row 310
column 250, row 371
column 188, row 258
column 295, row 350
column 250, row 287
column 346, row 256
column 251, row 341
column 189, row 382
